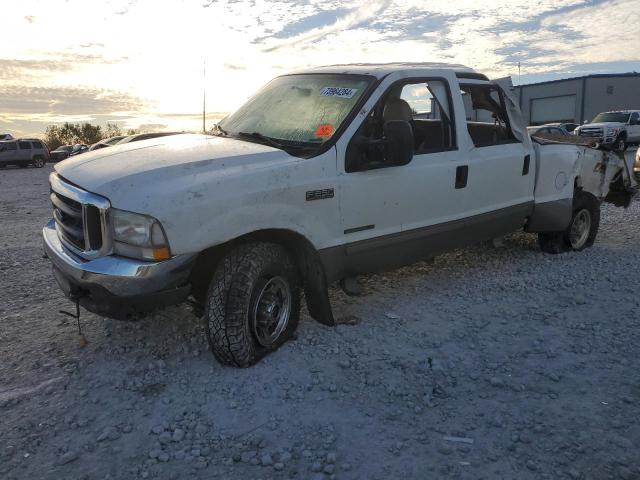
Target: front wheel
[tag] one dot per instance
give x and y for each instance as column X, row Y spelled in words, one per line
column 620, row 144
column 582, row 230
column 38, row 162
column 253, row 303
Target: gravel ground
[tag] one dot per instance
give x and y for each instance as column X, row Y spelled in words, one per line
column 488, row 363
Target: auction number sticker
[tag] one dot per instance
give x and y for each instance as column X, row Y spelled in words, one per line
column 324, row 131
column 340, row 92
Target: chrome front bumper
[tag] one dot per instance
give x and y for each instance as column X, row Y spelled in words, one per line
column 112, row 279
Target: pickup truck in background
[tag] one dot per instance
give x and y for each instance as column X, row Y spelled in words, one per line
column 323, row 175
column 618, row 129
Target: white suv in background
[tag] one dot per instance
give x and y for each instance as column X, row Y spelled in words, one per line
column 618, row 129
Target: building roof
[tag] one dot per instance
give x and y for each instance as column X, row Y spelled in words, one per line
column 381, row 69
column 594, row 75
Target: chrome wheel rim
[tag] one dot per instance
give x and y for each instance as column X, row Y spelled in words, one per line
column 38, row 162
column 580, row 229
column 271, row 311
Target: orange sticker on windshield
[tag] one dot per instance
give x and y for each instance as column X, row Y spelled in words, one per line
column 324, row 131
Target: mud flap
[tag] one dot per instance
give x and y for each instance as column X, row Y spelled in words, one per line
column 316, row 288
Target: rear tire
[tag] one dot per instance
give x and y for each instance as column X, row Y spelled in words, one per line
column 582, row 229
column 253, row 303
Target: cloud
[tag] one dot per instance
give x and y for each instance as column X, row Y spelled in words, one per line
column 15, row 99
column 20, row 69
column 233, row 66
column 354, row 18
column 152, row 127
column 142, row 59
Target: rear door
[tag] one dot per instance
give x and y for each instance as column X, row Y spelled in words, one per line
column 501, row 176
column 24, row 151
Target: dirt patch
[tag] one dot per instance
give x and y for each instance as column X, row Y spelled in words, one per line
column 487, row 363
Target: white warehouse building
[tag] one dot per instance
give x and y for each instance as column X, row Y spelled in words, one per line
column 576, row 100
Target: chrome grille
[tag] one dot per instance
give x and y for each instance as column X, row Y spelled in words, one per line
column 81, row 218
column 591, row 132
column 68, row 216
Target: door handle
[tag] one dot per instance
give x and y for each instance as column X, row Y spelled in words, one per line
column 462, row 173
column 525, row 166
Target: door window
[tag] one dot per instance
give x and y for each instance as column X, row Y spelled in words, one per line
column 487, row 119
column 24, row 145
column 424, row 105
column 11, row 146
column 635, row 118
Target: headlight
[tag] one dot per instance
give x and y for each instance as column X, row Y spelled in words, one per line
column 138, row 236
column 613, row 131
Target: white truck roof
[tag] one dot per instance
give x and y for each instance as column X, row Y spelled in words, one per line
column 380, row 70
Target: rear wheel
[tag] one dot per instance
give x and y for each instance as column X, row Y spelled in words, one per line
column 253, row 303
column 582, row 230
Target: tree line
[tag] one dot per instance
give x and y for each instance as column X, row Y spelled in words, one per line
column 85, row 133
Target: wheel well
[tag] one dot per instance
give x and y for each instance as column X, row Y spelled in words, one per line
column 304, row 254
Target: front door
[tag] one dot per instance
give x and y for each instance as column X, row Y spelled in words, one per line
column 392, row 215
column 633, row 129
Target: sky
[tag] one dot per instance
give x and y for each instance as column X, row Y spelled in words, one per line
column 141, row 63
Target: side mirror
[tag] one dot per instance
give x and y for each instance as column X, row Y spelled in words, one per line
column 398, row 135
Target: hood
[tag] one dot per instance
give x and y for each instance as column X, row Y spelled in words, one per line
column 601, row 125
column 159, row 160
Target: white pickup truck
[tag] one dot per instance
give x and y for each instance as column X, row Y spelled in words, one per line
column 322, row 175
column 617, row 129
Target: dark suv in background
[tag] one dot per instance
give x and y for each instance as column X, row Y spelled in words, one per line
column 23, row 152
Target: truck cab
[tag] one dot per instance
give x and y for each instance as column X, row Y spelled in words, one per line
column 323, row 175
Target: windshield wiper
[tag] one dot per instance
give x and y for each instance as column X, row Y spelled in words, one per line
column 272, row 141
column 221, row 130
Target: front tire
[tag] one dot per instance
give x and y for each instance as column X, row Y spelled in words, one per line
column 620, row 144
column 582, row 229
column 253, row 303
column 38, row 162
